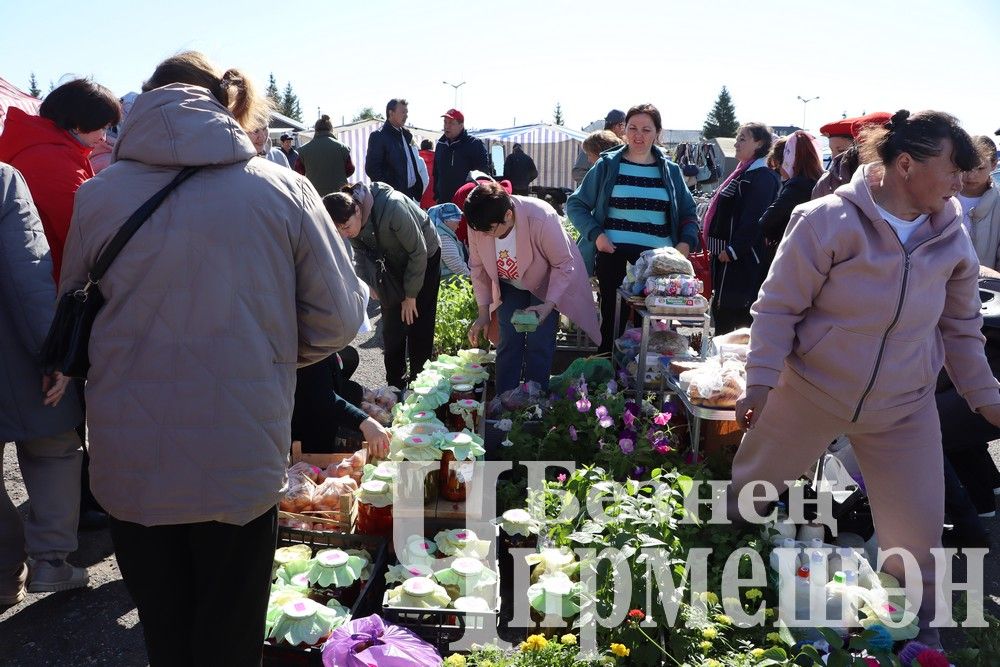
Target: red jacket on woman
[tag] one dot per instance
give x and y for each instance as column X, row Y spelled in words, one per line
column 54, row 164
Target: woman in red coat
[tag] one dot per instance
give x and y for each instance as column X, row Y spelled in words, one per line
column 52, row 151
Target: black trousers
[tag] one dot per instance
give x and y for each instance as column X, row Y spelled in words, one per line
column 609, row 269
column 965, row 438
column 201, row 588
column 416, row 341
column 730, row 319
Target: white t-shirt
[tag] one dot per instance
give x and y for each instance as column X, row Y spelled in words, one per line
column 507, row 268
column 968, row 205
column 904, row 228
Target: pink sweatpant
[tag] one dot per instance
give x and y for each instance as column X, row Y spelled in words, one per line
column 901, row 461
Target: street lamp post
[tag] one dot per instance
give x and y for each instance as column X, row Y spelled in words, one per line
column 456, row 86
column 805, row 101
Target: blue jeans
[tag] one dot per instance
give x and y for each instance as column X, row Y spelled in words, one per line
column 532, row 351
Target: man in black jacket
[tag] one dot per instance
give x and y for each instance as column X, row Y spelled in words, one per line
column 520, row 170
column 391, row 156
column 457, row 153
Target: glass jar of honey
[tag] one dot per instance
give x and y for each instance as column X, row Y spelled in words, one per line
column 374, row 508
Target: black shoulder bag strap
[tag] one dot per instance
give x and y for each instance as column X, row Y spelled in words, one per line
column 132, row 225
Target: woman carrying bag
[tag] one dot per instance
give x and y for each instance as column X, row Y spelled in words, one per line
column 398, row 254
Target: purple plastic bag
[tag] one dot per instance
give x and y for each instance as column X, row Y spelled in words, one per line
column 369, row 642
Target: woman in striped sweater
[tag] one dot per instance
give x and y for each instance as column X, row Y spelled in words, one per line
column 632, row 199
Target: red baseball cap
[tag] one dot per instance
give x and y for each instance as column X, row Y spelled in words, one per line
column 454, row 114
column 851, row 127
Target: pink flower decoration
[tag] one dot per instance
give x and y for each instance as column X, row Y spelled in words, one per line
column 583, row 405
column 662, row 418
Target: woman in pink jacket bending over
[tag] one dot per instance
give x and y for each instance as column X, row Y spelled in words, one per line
column 521, row 259
column 873, row 287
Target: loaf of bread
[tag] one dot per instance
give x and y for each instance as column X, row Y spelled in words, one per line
column 679, row 366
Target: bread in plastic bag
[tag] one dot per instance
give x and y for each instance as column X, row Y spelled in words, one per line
column 716, row 384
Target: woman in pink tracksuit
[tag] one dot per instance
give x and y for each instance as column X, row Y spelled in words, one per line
column 873, row 287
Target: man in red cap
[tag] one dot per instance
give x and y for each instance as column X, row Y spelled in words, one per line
column 457, row 153
column 842, row 135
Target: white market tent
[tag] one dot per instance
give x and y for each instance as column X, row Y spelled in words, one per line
column 10, row 96
column 355, row 136
column 553, row 148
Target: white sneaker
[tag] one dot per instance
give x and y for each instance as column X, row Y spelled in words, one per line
column 50, row 576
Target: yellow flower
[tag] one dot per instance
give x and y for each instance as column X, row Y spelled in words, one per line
column 770, row 612
column 774, row 638
column 709, row 633
column 455, row 660
column 754, row 594
column 713, row 663
column 710, row 597
column 757, row 653
column 722, row 619
column 620, row 650
column 487, row 663
column 534, row 643
column 568, row 640
column 705, row 647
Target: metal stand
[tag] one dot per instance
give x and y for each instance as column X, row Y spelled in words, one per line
column 646, row 317
column 696, row 413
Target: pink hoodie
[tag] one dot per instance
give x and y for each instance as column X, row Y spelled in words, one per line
column 860, row 323
column 550, row 264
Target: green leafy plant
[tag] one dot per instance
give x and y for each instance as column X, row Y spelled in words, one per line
column 456, row 311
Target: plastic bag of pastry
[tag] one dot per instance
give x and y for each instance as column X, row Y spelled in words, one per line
column 668, row 343
column 377, row 412
column 737, row 337
column 385, row 397
column 715, row 384
column 662, row 262
column 298, row 498
column 302, row 470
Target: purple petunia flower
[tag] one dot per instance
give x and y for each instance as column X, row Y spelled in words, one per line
column 662, row 449
column 612, row 387
column 572, row 433
column 638, row 470
column 583, row 405
column 628, row 418
column 627, row 445
column 604, row 417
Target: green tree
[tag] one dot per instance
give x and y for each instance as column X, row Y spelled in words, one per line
column 367, row 113
column 272, row 92
column 557, row 115
column 290, row 103
column 721, row 120
column 33, row 88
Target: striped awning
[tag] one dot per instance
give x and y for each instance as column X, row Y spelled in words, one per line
column 553, row 148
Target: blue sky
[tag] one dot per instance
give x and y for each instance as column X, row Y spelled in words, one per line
column 519, row 58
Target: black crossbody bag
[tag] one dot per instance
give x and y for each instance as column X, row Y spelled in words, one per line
column 65, row 346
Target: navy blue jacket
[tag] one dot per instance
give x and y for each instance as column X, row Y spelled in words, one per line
column 453, row 160
column 737, row 226
column 386, row 159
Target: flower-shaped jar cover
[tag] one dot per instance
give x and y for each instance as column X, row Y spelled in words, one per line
column 477, row 356
column 475, row 372
column 462, row 542
column 467, row 576
column 464, row 445
column 419, row 592
column 277, row 599
column 430, row 397
column 556, row 594
column 375, row 493
column 551, row 561
column 285, row 573
column 386, row 471
column 418, row 447
column 397, row 574
column 283, row 555
column 466, row 407
column 304, row 621
column 518, row 522
column 334, row 568
column 444, row 365
column 420, row 550
column 404, row 414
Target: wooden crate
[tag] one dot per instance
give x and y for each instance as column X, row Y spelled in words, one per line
column 340, row 520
